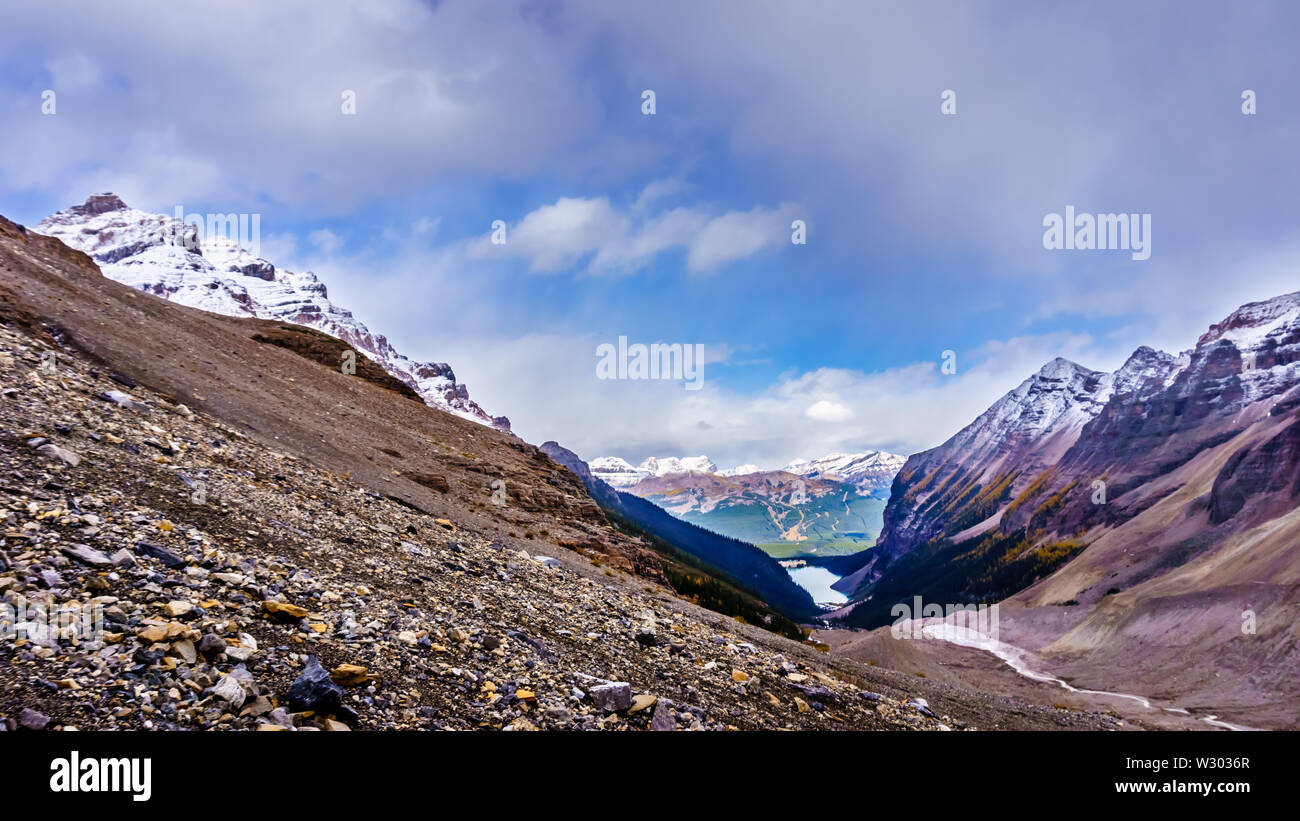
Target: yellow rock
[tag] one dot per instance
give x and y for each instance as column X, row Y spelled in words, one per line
column 771, row 699
column 349, row 675
column 177, row 608
column 333, row 726
column 283, row 610
column 739, row 676
column 445, row 523
column 525, row 695
column 153, row 634
column 801, row 704
column 165, row 526
column 642, row 702
column 317, row 627
column 271, row 728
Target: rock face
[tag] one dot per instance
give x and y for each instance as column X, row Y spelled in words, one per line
column 165, row 257
column 1163, row 500
column 1067, row 427
column 966, row 480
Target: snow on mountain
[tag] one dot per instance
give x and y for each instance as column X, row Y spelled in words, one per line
column 617, row 472
column 1153, row 400
column 1042, row 417
column 621, row 474
column 164, row 256
column 740, row 470
column 872, row 471
column 661, row 466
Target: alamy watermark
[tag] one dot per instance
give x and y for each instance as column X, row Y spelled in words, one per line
column 191, row 231
column 676, row 361
column 47, row 624
column 1098, row 232
column 960, row 622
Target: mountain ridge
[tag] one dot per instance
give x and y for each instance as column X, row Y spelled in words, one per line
column 1126, row 521
column 166, row 257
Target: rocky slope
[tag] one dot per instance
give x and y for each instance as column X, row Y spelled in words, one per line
column 171, row 259
column 268, row 544
column 291, row 598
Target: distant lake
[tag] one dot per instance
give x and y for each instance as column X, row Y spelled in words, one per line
column 817, row 581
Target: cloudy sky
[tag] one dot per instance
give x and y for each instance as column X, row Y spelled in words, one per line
column 924, row 229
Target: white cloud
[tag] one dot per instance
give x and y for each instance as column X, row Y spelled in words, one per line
column 547, row 383
column 325, row 241
column 561, row 235
column 824, row 410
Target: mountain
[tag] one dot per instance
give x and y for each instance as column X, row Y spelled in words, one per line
column 620, row 473
column 871, row 472
column 1157, row 506
column 827, row 506
column 167, row 257
column 730, row 559
column 957, row 489
column 271, row 544
column 783, row 513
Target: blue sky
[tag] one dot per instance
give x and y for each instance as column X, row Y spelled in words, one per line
column 924, row 230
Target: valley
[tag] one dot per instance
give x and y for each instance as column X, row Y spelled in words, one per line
column 1191, row 536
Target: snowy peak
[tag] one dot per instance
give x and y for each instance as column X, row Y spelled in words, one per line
column 1258, row 324
column 660, row 466
column 166, row 257
column 869, row 472
column 621, row 474
column 1055, row 418
column 616, row 472
column 99, row 204
column 740, row 470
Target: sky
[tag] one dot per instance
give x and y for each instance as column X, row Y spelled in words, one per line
column 924, row 229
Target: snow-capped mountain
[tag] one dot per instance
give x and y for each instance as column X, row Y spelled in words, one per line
column 621, row 474
column 164, row 256
column 871, row 472
column 1066, row 427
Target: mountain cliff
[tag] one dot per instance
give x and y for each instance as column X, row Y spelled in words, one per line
column 172, row 259
column 1157, row 504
